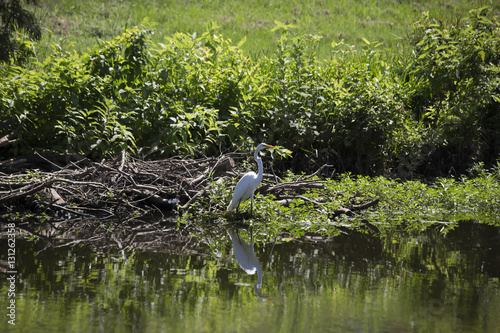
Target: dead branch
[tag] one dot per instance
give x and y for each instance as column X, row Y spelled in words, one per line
column 125, row 181
column 128, row 184
column 291, row 186
column 355, row 208
column 365, row 205
column 27, row 190
column 9, row 138
column 287, row 200
column 317, row 171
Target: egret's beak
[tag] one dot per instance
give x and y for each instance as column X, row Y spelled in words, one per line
column 269, row 146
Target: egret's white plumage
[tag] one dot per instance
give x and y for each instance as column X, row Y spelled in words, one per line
column 248, row 183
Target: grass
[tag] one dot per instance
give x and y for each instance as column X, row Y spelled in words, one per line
column 79, row 26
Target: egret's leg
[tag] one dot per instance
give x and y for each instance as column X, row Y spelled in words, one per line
column 251, row 236
column 237, row 209
column 251, row 205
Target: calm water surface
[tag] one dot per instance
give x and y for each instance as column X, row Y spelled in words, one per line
column 426, row 282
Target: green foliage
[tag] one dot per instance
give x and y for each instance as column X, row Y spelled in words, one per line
column 444, row 199
column 410, row 205
column 365, row 111
column 456, row 88
column 13, row 17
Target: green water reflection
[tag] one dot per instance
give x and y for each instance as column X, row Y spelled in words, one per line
column 404, row 283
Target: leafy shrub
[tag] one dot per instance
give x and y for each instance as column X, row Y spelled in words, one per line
column 343, row 112
column 455, row 90
column 66, row 107
column 368, row 114
column 363, row 111
column 13, row 20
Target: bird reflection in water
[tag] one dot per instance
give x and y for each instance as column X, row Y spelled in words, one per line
column 245, row 255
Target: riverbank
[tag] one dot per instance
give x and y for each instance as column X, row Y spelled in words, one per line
column 137, row 196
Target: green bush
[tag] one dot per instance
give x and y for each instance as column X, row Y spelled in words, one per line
column 364, row 111
column 455, row 89
column 343, row 112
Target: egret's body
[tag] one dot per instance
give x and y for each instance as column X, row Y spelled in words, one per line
column 247, row 185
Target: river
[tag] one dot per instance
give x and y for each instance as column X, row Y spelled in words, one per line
column 404, row 282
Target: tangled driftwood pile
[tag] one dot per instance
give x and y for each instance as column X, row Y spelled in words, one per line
column 104, row 187
column 124, row 184
column 76, row 196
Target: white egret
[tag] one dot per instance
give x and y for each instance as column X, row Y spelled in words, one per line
column 245, row 256
column 248, row 183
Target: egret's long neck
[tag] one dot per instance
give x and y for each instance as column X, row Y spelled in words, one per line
column 260, row 173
